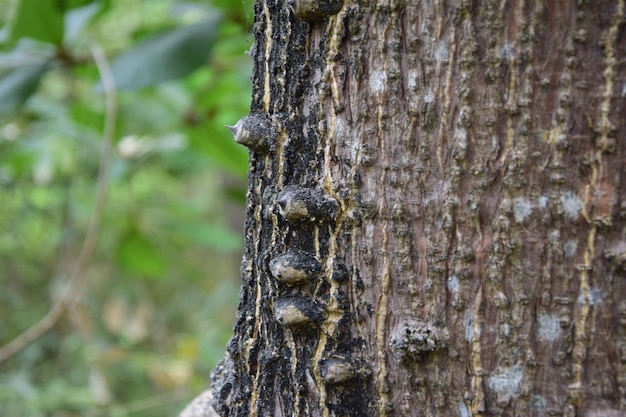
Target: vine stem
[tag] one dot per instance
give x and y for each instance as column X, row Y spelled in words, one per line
column 77, row 277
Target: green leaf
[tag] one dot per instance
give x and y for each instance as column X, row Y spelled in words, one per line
column 213, row 236
column 77, row 19
column 137, row 255
column 236, row 194
column 167, row 56
column 217, row 143
column 40, row 20
column 72, row 4
column 16, row 163
column 18, row 85
column 47, row 20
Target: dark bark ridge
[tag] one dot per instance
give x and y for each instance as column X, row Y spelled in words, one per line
column 292, row 335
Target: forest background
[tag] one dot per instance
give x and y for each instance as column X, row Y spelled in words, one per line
column 121, row 206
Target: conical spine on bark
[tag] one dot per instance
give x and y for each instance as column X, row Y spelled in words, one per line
column 254, row 131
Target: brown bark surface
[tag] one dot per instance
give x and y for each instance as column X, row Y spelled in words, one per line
column 436, row 209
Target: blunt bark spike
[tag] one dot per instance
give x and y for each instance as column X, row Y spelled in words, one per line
column 294, row 268
column 296, row 311
column 338, row 371
column 312, row 10
column 299, row 204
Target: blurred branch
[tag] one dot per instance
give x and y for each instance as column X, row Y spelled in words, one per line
column 156, row 401
column 77, row 277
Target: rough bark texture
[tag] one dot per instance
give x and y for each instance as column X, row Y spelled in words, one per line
column 436, row 209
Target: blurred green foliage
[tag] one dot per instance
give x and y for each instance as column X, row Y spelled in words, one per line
column 158, row 296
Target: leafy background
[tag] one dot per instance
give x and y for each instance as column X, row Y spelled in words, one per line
column 155, row 301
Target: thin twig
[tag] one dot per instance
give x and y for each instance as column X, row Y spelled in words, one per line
column 150, row 403
column 89, row 244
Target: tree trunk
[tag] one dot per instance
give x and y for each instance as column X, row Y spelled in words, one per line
column 435, row 217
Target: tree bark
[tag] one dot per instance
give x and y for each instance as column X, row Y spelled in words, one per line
column 435, row 215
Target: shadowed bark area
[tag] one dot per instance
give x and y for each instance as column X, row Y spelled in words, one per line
column 435, row 218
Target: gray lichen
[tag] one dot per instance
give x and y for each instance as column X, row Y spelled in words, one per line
column 414, row 339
